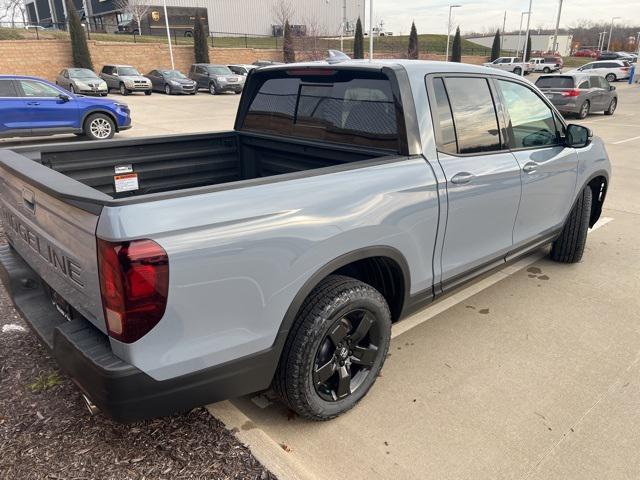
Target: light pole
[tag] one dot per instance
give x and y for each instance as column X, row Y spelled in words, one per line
column 370, row 30
column 344, row 24
column 526, row 38
column 166, row 22
column 504, row 24
column 520, row 32
column 555, row 35
column 446, row 59
column 601, row 36
column 610, row 32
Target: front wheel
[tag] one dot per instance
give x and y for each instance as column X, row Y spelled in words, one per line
column 584, row 110
column 335, row 349
column 148, row 92
column 99, row 126
column 167, row 89
column 123, row 90
column 612, row 107
column 72, row 89
column 569, row 246
column 212, row 89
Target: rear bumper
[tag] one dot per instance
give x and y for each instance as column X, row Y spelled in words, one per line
column 119, row 389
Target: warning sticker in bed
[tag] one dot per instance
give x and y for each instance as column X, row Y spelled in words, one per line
column 126, row 183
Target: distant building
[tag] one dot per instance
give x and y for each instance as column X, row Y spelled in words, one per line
column 254, row 17
column 539, row 43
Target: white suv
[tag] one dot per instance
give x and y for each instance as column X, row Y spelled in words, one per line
column 612, row 70
column 510, row 64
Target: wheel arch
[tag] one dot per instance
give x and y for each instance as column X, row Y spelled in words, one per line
column 383, row 267
column 598, row 183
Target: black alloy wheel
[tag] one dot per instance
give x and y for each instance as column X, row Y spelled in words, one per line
column 346, row 355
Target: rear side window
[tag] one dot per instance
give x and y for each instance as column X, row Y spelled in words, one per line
column 474, row 114
column 554, row 81
column 7, row 89
column 585, row 85
column 447, row 133
column 347, row 107
column 532, row 120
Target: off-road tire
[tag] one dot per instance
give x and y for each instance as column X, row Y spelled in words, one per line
column 569, row 246
column 321, row 311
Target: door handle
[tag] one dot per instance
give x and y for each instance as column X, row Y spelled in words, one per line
column 462, row 178
column 530, row 167
column 33, row 103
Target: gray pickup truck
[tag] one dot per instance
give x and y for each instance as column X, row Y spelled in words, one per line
column 166, row 273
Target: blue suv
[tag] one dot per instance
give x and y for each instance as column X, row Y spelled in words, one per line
column 31, row 106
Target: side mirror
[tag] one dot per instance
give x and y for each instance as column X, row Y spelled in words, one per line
column 578, row 136
column 64, row 98
column 612, row 87
column 115, row 74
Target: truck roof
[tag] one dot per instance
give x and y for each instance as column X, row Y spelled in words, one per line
column 422, row 67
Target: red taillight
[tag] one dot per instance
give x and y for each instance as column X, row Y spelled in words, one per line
column 571, row 93
column 312, row 72
column 134, row 282
column 624, row 68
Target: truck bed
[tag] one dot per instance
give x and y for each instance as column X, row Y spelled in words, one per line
column 179, row 162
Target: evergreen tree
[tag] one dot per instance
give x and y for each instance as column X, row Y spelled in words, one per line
column 413, row 52
column 528, row 55
column 456, row 49
column 358, row 41
column 200, row 46
column 495, row 48
column 79, row 47
column 288, row 52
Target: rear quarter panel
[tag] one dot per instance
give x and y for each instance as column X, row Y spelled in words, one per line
column 238, row 257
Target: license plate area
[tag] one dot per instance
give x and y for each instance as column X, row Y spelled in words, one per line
column 61, row 305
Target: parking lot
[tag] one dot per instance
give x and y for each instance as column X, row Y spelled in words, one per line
column 532, row 371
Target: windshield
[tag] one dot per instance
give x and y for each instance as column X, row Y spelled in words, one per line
column 219, row 70
column 555, row 81
column 130, row 71
column 81, row 73
column 172, row 74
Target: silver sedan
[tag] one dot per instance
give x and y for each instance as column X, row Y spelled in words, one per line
column 82, row 80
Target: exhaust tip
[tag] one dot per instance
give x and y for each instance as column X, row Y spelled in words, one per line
column 93, row 409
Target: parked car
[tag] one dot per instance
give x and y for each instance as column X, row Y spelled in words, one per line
column 586, row 52
column 126, row 79
column 579, row 94
column 511, row 64
column 612, row 70
column 241, row 69
column 216, row 78
column 266, row 63
column 30, row 106
column 82, row 80
column 171, row 81
column 605, row 55
column 540, row 64
column 222, row 263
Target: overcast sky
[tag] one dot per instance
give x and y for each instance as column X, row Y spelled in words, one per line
column 431, row 17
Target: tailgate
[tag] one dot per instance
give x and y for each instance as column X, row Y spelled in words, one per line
column 56, row 239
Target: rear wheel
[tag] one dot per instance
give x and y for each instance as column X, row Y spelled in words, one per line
column 99, row 126
column 584, row 110
column 569, row 246
column 612, row 107
column 335, row 349
column 546, row 70
column 517, row 71
column 611, row 77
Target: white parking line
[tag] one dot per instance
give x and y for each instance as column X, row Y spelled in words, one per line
column 626, row 140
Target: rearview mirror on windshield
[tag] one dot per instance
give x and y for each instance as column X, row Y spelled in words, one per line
column 578, row 136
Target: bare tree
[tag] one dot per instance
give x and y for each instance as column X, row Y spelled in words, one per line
column 12, row 11
column 136, row 8
column 283, row 11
